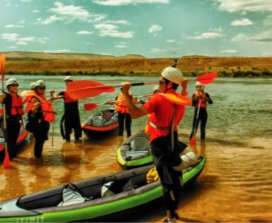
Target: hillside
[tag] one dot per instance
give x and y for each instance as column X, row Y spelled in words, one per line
column 80, row 64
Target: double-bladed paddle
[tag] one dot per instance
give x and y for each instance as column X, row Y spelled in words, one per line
column 90, row 106
column 2, row 67
column 81, row 89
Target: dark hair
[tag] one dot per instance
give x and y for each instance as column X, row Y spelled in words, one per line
column 174, row 85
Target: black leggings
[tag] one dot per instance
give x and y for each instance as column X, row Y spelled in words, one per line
column 202, row 118
column 165, row 159
column 127, row 118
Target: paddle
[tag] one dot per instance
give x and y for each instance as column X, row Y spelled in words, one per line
column 7, row 159
column 86, row 88
column 203, row 79
column 90, row 106
column 206, row 78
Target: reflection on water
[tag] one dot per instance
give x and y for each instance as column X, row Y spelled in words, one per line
column 236, row 184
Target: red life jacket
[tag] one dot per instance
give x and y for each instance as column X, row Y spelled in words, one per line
column 203, row 102
column 29, row 95
column 46, row 106
column 121, row 105
column 17, row 105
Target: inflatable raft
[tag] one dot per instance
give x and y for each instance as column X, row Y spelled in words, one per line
column 135, row 151
column 102, row 122
column 103, row 198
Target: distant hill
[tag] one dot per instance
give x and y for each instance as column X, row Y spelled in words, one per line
column 132, row 64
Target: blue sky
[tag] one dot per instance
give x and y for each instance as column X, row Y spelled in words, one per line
column 152, row 28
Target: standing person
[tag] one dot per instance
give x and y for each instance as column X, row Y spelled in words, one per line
column 71, row 117
column 14, row 112
column 199, row 101
column 123, row 113
column 164, row 142
column 40, row 114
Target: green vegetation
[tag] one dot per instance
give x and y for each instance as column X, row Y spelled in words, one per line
column 232, row 73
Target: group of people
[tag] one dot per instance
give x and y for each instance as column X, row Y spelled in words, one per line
column 39, row 111
column 164, row 116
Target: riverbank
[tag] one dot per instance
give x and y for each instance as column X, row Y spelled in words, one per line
column 27, row 63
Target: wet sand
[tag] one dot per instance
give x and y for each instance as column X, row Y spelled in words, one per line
column 234, row 186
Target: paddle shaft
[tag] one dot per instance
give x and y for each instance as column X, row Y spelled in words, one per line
column 7, row 159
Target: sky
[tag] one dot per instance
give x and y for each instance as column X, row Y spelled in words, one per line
column 151, row 28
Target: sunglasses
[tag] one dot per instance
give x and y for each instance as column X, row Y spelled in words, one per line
column 14, row 85
column 41, row 88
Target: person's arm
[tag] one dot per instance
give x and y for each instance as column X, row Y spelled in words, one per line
column 58, row 96
column 184, row 87
column 208, row 98
column 134, row 111
column 194, row 100
column 2, row 97
column 36, row 104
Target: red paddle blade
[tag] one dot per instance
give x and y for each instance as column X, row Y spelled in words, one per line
column 1, row 111
column 193, row 140
column 206, row 78
column 90, row 106
column 86, row 88
column 2, row 67
column 7, row 160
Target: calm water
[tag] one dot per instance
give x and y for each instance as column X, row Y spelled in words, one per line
column 236, row 184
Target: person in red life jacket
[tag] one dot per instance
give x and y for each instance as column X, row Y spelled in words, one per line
column 123, row 113
column 71, row 118
column 156, row 90
column 14, row 112
column 199, row 101
column 165, row 146
column 40, row 114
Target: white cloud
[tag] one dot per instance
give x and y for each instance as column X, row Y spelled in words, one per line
column 14, row 26
column 157, row 50
column 112, row 31
column 120, row 45
column 170, row 41
column 268, row 20
column 209, row 35
column 70, row 13
column 244, row 5
column 240, row 37
column 242, row 22
column 129, row 2
column 260, row 37
column 229, row 51
column 123, row 22
column 154, row 29
column 57, row 51
column 84, row 32
column 14, row 37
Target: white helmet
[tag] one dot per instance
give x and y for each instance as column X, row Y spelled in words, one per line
column 68, row 78
column 173, row 74
column 198, row 84
column 32, row 86
column 39, row 83
column 11, row 81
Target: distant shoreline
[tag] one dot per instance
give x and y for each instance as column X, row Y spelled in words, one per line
column 26, row 63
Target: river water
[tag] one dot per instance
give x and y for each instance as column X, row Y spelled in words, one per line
column 236, row 184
